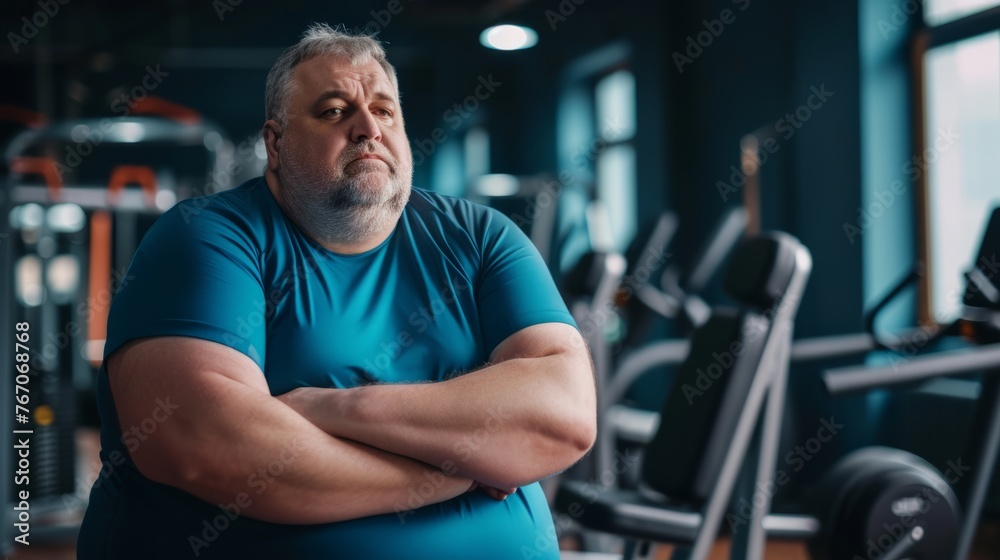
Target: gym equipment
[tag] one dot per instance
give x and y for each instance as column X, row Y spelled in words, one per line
column 589, row 293
column 880, row 502
column 983, row 444
column 71, row 237
column 981, row 311
column 654, row 285
column 589, row 290
column 979, row 320
column 599, row 287
column 889, row 503
column 733, row 378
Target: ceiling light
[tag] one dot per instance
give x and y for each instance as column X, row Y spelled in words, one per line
column 509, row 37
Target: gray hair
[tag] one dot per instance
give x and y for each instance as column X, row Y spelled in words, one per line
column 320, row 39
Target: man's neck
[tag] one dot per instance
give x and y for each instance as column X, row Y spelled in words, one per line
column 343, row 248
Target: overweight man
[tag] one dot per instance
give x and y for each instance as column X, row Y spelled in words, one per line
column 327, row 363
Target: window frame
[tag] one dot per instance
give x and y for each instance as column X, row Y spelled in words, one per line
column 926, row 39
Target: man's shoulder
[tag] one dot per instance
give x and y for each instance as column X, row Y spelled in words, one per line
column 239, row 208
column 465, row 214
column 243, row 200
column 232, row 222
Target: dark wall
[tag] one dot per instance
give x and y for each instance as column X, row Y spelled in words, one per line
column 761, row 74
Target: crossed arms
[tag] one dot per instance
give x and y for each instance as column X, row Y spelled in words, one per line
column 357, row 452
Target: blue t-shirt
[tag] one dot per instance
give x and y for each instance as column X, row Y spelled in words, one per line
column 451, row 282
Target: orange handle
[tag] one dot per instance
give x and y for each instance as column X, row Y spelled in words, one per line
column 46, row 167
column 153, row 105
column 126, row 174
column 99, row 284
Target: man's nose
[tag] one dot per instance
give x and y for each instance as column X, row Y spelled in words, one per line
column 365, row 127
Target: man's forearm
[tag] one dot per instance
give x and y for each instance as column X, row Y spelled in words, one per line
column 230, row 442
column 506, row 425
column 317, row 478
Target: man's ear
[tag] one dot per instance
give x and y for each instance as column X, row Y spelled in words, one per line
column 271, row 134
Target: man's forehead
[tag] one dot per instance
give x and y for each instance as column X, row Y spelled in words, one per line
column 328, row 71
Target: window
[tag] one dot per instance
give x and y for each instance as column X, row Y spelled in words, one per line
column 477, row 153
column 595, row 142
column 937, row 12
column 961, row 137
column 459, row 161
column 614, row 102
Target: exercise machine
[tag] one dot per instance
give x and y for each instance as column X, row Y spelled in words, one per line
column 732, row 380
column 73, row 225
column 948, row 527
column 877, row 501
column 657, row 286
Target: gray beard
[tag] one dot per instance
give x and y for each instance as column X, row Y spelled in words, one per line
column 342, row 209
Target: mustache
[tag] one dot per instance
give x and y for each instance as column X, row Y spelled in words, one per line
column 354, row 151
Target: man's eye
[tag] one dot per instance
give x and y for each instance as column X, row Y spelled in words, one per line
column 383, row 112
column 334, row 112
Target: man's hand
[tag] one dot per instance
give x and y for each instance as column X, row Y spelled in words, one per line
column 495, row 493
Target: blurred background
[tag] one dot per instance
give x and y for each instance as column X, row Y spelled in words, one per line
column 866, row 128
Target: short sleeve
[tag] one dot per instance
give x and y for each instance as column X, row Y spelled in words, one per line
column 196, row 274
column 516, row 290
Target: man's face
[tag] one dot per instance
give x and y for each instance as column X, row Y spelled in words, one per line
column 344, row 162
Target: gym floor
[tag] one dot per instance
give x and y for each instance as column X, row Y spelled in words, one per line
column 88, row 446
column 987, row 545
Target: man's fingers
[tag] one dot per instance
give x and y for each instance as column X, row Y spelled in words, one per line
column 497, row 493
column 494, row 493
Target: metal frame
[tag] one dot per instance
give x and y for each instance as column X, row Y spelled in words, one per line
column 763, row 406
column 984, row 444
column 596, row 312
column 673, row 352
